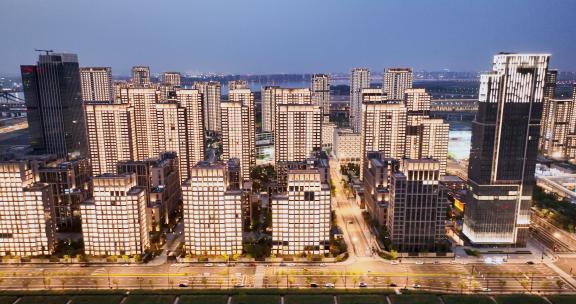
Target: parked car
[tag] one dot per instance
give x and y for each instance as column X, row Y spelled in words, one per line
column 362, row 284
column 183, row 284
column 329, row 285
column 416, row 285
column 238, row 285
column 314, row 285
column 393, row 285
column 208, row 265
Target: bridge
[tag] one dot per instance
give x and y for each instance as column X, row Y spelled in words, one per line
column 11, row 105
column 454, row 109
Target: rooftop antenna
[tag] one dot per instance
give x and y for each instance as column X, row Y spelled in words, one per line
column 47, row 51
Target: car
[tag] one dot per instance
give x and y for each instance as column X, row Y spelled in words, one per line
column 282, row 264
column 221, row 265
column 363, row 285
column 530, row 263
column 436, row 262
column 323, row 265
column 183, row 284
column 329, row 285
column 419, row 263
column 486, row 289
column 394, row 263
column 125, row 265
column 314, row 285
column 208, row 265
column 392, row 285
column 291, row 264
column 416, row 285
column 350, row 222
column 238, row 285
column 252, row 264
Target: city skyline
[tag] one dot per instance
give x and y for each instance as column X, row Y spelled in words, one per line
column 456, row 36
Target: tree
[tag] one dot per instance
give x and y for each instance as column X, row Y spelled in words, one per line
column 448, row 284
column 204, row 281
column 261, row 176
column 115, row 282
column 220, row 282
column 354, row 280
column 291, row 281
column 25, row 283
column 560, row 284
column 462, row 285
column 524, row 283
column 393, row 254
column 277, row 279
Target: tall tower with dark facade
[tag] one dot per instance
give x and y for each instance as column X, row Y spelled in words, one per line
column 505, row 139
column 54, row 105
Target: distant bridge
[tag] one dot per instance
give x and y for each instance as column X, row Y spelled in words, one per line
column 11, row 105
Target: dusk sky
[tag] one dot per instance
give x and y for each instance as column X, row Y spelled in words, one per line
column 295, row 36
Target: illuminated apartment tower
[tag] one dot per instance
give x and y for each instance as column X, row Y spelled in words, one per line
column 172, row 79
column 298, row 132
column 396, row 81
column 114, row 221
column 547, row 119
column 26, row 216
column 143, row 102
column 504, row 149
column 425, row 137
column 141, row 75
column 272, row 96
column 301, row 217
column 237, row 84
column 71, row 184
column 359, row 80
column 559, row 125
column 111, row 135
column 571, row 138
column 172, row 133
column 211, row 91
column 238, row 137
column 417, row 207
column 191, row 100
column 383, row 126
column 96, row 84
column 320, row 88
column 213, row 212
column 54, row 107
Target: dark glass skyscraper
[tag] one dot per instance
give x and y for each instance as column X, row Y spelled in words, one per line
column 54, row 106
column 505, row 138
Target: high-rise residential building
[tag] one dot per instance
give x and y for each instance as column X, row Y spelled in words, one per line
column 143, row 101
column 504, row 149
column 26, row 214
column 211, row 99
column 160, row 178
column 346, row 146
column 559, row 125
column 328, row 129
column 111, row 135
column 191, row 100
column 237, row 84
column 272, row 96
column 141, row 75
column 172, row 79
column 213, row 212
column 320, row 89
column 298, row 132
column 396, row 81
column 359, row 80
column 383, row 126
column 54, row 106
column 301, row 216
column 378, row 171
column 416, row 217
column 96, row 84
column 425, row 137
column 549, row 94
column 70, row 182
column 114, row 221
column 171, row 124
column 238, row 132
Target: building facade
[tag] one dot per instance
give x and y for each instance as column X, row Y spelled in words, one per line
column 238, row 131
column 301, row 216
column 114, row 221
column 346, row 146
column 96, row 84
column 320, row 89
column 212, row 211
column 111, row 135
column 396, row 81
column 27, row 225
column 55, row 113
column 359, row 80
column 505, row 138
column 172, row 79
column 141, row 76
column 211, row 97
column 416, row 217
column 298, row 132
column 272, row 96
